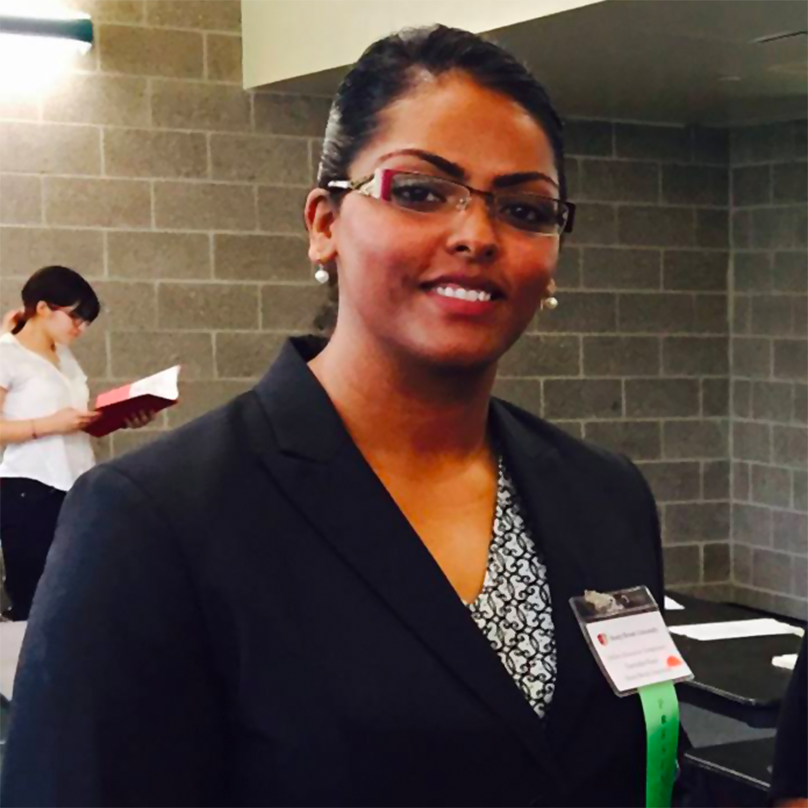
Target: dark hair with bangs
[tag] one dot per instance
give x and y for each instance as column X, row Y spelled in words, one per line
column 58, row 287
column 388, row 69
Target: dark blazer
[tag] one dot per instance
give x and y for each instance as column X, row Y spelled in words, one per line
column 239, row 614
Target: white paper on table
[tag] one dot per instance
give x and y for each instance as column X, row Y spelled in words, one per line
column 787, row 661
column 671, row 605
column 736, row 629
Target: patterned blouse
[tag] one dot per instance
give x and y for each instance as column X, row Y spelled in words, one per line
column 513, row 608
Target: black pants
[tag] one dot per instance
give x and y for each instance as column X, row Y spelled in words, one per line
column 28, row 514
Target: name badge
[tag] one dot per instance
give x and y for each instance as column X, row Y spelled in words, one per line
column 629, row 638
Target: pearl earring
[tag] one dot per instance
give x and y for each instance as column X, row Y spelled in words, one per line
column 551, row 301
column 321, row 276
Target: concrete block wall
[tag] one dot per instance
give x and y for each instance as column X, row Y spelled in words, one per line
column 635, row 358
column 769, row 361
column 179, row 195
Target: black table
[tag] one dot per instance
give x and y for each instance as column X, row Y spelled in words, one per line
column 736, row 677
column 736, row 774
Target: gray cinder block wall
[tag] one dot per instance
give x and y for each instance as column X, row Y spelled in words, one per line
column 769, row 365
column 179, row 195
column 636, row 356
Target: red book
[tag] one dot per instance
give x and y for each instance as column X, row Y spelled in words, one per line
column 152, row 394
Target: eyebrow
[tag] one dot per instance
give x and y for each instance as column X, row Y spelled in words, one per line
column 457, row 172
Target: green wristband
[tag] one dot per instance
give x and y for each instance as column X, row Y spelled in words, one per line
column 660, row 708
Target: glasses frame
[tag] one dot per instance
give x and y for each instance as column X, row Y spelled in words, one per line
column 77, row 321
column 377, row 186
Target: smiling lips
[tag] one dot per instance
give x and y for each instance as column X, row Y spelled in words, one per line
column 467, row 290
column 463, row 294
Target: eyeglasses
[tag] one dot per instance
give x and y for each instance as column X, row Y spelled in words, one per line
column 78, row 322
column 423, row 193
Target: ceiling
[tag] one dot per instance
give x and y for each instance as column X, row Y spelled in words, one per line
column 661, row 61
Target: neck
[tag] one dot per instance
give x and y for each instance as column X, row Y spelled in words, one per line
column 34, row 337
column 398, row 410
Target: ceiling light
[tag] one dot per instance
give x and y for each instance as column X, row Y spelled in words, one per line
column 37, row 45
column 78, row 31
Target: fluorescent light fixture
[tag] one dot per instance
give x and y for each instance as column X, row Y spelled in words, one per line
column 78, row 30
column 38, row 43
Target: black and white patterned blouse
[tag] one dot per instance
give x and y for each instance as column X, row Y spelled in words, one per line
column 513, row 608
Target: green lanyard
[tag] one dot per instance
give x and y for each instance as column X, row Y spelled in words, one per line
column 661, row 711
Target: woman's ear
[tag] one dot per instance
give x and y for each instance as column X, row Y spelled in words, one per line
column 42, row 309
column 320, row 216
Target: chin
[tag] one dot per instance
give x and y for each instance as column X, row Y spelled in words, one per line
column 461, row 356
column 466, row 346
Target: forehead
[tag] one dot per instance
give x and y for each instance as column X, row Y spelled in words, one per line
column 485, row 132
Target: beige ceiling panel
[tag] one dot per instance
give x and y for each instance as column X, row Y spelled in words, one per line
column 288, row 39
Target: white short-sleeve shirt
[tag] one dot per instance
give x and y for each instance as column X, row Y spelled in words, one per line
column 35, row 388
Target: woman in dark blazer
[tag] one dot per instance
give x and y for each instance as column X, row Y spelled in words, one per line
column 350, row 586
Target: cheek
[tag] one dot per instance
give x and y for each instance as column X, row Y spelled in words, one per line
column 382, row 251
column 533, row 269
column 63, row 330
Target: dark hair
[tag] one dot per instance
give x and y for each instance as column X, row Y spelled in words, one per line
column 58, row 286
column 389, row 68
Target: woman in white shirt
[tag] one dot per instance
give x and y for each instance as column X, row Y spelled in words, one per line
column 44, row 402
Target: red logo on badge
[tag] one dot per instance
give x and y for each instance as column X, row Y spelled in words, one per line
column 603, row 639
column 674, row 661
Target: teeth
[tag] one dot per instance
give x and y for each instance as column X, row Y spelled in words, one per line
column 472, row 295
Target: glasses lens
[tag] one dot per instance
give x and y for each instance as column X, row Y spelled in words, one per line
column 76, row 320
column 532, row 213
column 423, row 193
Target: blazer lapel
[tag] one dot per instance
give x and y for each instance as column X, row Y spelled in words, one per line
column 324, row 474
column 560, row 518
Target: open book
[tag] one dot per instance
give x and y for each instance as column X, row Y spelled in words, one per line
column 152, row 394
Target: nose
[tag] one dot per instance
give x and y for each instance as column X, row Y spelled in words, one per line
column 474, row 234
